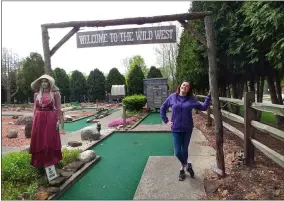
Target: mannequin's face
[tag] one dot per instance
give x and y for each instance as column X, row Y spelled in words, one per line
column 44, row 83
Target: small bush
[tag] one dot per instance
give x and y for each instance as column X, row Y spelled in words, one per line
column 68, row 156
column 17, row 167
column 135, row 102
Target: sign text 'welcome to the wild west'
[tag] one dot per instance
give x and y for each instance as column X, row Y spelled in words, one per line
column 133, row 36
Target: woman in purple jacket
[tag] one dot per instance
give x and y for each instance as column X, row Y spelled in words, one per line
column 182, row 102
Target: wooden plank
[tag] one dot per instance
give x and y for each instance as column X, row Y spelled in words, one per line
column 127, row 36
column 237, row 132
column 268, row 107
column 233, row 117
column 128, row 21
column 230, row 100
column 273, row 155
column 279, row 134
column 230, row 128
column 124, row 116
column 63, row 40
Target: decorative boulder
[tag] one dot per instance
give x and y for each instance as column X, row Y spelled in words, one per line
column 12, row 134
column 87, row 156
column 74, row 144
column 68, row 118
column 28, row 130
column 90, row 134
column 24, row 120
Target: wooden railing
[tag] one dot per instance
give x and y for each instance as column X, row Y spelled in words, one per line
column 250, row 124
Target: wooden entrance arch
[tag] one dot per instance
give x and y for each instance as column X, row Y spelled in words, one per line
column 208, row 41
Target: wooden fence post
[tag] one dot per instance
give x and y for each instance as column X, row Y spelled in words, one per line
column 209, row 120
column 249, row 115
column 124, row 116
column 62, row 121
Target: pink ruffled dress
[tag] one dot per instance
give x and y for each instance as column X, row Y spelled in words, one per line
column 45, row 144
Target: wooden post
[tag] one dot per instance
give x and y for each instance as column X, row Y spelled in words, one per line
column 46, row 50
column 209, row 119
column 124, row 116
column 97, row 103
column 214, row 93
column 62, row 121
column 64, row 99
column 249, row 115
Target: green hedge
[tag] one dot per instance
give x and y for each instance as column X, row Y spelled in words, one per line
column 135, row 102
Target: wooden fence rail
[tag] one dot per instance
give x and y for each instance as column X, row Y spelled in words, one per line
column 250, row 124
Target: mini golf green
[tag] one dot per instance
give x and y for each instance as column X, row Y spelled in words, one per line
column 77, row 125
column 153, row 118
column 123, row 159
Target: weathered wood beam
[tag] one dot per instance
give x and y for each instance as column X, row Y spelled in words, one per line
column 190, row 28
column 230, row 128
column 230, row 100
column 274, row 132
column 268, row 107
column 46, row 51
column 273, row 155
column 63, row 40
column 128, row 21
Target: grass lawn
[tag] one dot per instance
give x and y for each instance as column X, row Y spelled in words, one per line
column 266, row 117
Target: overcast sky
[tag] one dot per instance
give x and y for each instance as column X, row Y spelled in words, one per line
column 21, row 30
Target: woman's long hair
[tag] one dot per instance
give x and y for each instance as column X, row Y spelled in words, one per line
column 189, row 93
column 39, row 95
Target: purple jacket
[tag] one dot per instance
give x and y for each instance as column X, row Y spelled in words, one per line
column 181, row 111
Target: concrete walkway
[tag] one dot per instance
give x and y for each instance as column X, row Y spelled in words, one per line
column 160, row 176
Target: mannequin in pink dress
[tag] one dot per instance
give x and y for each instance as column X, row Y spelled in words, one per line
column 45, row 144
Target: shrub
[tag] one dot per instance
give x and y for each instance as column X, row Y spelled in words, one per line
column 17, row 167
column 120, row 121
column 135, row 102
column 68, row 156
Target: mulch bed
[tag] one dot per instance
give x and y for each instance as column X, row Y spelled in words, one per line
column 21, row 140
column 264, row 181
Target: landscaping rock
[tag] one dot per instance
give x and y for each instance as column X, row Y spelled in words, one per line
column 23, row 120
column 12, row 134
column 211, row 185
column 87, row 156
column 68, row 118
column 73, row 166
column 90, row 134
column 64, row 173
column 57, row 181
column 51, row 190
column 28, row 130
column 41, row 196
column 74, row 144
column 18, row 109
column 10, row 123
column 15, row 117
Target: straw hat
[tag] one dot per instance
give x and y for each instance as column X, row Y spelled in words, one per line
column 37, row 83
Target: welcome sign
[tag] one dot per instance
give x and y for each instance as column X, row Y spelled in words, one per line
column 132, row 36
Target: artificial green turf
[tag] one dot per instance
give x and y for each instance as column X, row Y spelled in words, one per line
column 77, row 125
column 153, row 118
column 123, row 159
